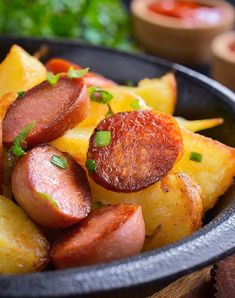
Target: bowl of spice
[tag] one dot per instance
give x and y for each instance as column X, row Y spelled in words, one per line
column 181, row 31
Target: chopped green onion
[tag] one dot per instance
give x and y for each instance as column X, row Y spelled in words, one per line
column 130, row 83
column 99, row 95
column 77, row 73
column 195, row 156
column 59, row 162
column 49, row 198
column 20, row 93
column 16, row 149
column 102, row 138
column 53, row 79
column 110, row 111
column 99, row 204
column 135, row 104
column 90, row 165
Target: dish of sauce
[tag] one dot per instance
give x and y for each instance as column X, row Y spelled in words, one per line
column 191, row 13
column 232, row 47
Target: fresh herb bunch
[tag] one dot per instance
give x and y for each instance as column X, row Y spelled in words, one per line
column 103, row 22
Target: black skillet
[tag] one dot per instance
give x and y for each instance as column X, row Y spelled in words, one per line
column 142, row 275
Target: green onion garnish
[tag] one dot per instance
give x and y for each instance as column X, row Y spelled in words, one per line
column 102, row 138
column 59, row 162
column 110, row 111
column 195, row 156
column 77, row 73
column 16, row 149
column 90, row 165
column 135, row 104
column 99, row 95
column 99, row 204
column 49, row 198
column 53, row 79
column 20, row 93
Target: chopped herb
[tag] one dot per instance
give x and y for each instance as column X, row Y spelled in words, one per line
column 195, row 156
column 59, row 162
column 135, row 104
column 49, row 198
column 53, row 79
column 102, row 138
column 77, row 73
column 21, row 93
column 130, row 83
column 99, row 95
column 110, row 111
column 90, row 165
column 16, row 149
column 99, row 204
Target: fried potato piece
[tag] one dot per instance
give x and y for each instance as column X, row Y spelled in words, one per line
column 172, row 208
column 20, row 71
column 197, row 125
column 159, row 94
column 5, row 102
column 214, row 174
column 76, row 140
column 23, row 248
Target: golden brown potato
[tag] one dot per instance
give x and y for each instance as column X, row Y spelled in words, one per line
column 19, row 71
column 172, row 208
column 159, row 94
column 197, row 125
column 23, row 248
column 214, row 174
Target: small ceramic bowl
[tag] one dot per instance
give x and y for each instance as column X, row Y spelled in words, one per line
column 174, row 39
column 223, row 64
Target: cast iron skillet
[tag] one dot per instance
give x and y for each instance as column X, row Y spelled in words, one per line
column 142, row 275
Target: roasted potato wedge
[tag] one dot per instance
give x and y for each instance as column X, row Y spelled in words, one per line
column 197, row 125
column 20, row 71
column 23, row 248
column 159, row 94
column 214, row 174
column 172, row 208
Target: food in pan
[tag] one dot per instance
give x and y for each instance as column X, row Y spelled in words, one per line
column 92, row 171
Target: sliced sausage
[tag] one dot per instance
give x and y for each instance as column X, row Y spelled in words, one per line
column 55, row 108
column 144, row 146
column 57, row 65
column 53, row 197
column 108, row 233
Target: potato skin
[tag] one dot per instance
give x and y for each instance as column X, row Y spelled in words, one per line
column 108, row 233
column 172, row 207
column 23, row 248
column 144, row 146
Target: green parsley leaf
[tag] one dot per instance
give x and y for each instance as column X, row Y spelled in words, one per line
column 59, row 162
column 16, row 149
column 90, row 165
column 102, row 138
column 53, row 79
column 194, row 156
column 77, row 73
column 21, row 93
column 99, row 95
column 135, row 104
column 49, row 198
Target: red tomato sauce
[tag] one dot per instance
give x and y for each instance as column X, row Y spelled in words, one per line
column 190, row 12
column 232, row 47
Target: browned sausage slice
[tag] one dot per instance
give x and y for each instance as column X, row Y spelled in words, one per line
column 144, row 146
column 108, row 233
column 55, row 108
column 53, row 197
